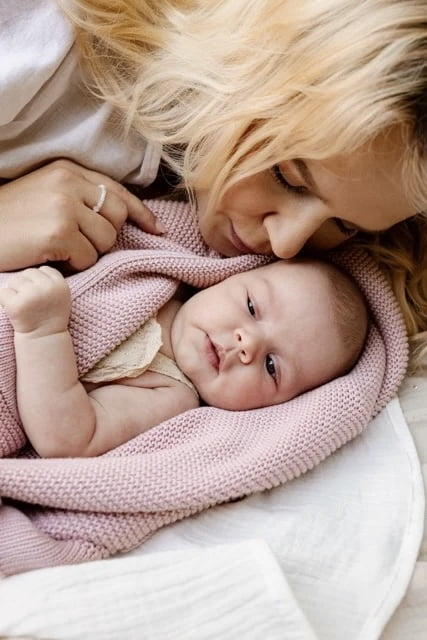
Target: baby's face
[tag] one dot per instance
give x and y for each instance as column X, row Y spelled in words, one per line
column 260, row 337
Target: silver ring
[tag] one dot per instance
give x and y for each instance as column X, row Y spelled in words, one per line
column 101, row 199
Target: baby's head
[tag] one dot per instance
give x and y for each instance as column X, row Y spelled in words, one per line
column 264, row 336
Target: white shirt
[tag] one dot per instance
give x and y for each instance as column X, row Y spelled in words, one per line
column 45, row 110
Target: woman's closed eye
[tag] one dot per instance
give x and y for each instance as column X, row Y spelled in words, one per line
column 344, row 227
column 280, row 178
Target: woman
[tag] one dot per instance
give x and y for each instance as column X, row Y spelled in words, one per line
column 294, row 124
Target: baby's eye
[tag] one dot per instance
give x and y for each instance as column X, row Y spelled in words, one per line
column 270, row 366
column 251, row 307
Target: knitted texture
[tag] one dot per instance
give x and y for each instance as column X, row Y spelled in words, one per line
column 73, row 510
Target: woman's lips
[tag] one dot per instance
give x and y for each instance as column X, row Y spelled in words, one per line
column 238, row 243
column 211, row 353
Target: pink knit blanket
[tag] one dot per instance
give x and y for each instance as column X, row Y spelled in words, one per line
column 61, row 511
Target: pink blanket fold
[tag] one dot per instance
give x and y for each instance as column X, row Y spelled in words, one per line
column 73, row 510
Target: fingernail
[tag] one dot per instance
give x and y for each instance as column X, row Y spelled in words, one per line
column 160, row 227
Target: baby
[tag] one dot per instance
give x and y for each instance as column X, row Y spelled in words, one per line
column 255, row 339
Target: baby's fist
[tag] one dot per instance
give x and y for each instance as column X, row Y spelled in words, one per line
column 37, row 301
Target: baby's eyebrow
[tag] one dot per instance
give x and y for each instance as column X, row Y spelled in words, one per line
column 265, row 296
column 267, row 291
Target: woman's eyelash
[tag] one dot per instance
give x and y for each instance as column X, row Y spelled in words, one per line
column 280, row 179
column 343, row 228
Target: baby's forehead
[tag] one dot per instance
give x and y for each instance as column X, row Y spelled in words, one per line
column 282, row 271
column 301, row 286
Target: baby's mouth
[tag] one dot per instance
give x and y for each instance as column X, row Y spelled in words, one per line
column 212, row 353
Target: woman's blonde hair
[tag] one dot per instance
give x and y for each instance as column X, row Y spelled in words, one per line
column 239, row 85
column 229, row 88
column 401, row 252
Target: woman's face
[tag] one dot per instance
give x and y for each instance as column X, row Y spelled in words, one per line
column 310, row 204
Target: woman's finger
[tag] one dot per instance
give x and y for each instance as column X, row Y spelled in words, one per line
column 131, row 206
column 140, row 214
column 120, row 205
column 80, row 253
column 98, row 228
column 102, row 201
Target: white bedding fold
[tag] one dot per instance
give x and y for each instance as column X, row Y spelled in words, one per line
column 230, row 591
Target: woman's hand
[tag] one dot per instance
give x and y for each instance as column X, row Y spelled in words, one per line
column 47, row 215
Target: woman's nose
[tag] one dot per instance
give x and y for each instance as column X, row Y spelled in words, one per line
column 246, row 343
column 289, row 233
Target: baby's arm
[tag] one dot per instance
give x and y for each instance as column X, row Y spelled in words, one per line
column 59, row 417
column 54, row 408
column 127, row 408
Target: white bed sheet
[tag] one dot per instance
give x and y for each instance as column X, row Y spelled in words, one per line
column 409, row 620
column 327, row 556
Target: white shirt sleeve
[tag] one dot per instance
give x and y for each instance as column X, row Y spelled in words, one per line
column 46, row 112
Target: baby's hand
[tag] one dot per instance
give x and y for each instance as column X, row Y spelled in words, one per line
column 37, row 301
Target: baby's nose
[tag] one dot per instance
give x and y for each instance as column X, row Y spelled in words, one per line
column 246, row 343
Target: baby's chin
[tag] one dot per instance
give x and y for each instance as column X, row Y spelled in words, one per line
column 240, row 402
column 235, row 403
column 217, row 399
